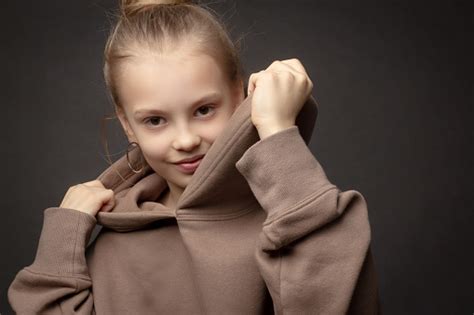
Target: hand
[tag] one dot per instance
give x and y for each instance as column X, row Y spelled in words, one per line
column 89, row 197
column 279, row 93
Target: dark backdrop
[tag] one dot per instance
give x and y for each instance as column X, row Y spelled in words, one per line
column 394, row 84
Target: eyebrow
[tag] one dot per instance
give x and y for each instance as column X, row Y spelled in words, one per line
column 207, row 97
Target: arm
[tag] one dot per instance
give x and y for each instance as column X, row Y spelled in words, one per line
column 314, row 248
column 57, row 282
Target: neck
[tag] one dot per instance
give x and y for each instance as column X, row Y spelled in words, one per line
column 171, row 195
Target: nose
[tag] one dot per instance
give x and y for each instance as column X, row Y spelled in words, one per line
column 186, row 139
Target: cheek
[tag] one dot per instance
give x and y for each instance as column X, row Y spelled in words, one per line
column 154, row 150
column 211, row 131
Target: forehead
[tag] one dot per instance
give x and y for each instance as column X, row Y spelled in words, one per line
column 168, row 80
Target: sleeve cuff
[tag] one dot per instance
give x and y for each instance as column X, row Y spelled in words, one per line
column 282, row 171
column 62, row 243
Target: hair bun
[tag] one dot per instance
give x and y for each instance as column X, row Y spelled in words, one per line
column 129, row 7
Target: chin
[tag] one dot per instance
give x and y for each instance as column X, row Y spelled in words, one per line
column 183, row 179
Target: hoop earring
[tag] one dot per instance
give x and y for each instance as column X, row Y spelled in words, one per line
column 128, row 160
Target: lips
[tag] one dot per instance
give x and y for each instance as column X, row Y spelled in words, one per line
column 189, row 167
column 190, row 160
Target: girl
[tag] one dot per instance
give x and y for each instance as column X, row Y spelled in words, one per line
column 218, row 207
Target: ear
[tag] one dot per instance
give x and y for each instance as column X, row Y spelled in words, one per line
column 125, row 124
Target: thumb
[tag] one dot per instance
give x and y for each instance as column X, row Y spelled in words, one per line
column 109, row 204
column 253, row 81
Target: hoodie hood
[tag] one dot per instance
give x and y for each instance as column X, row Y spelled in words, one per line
column 216, row 189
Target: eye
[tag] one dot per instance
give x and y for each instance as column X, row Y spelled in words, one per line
column 152, row 119
column 206, row 108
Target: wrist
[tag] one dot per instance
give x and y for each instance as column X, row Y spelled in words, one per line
column 269, row 129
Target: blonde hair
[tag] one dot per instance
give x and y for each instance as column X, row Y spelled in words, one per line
column 158, row 26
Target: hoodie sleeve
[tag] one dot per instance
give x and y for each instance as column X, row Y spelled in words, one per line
column 57, row 282
column 314, row 248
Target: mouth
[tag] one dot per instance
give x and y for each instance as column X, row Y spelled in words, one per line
column 190, row 160
column 189, row 166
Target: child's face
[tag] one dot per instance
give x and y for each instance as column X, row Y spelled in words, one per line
column 164, row 111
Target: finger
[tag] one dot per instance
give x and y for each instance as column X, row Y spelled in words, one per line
column 109, row 200
column 296, row 65
column 253, row 81
column 107, row 206
column 94, row 183
column 292, row 65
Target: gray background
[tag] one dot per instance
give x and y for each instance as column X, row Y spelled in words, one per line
column 394, row 84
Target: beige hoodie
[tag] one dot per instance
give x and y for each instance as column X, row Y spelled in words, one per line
column 258, row 230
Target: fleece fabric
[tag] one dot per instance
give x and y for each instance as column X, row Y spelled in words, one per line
column 259, row 229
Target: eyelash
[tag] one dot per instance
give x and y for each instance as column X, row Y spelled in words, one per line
column 147, row 120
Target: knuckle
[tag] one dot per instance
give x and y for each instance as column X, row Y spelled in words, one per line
column 306, row 81
column 274, row 63
column 271, row 74
column 287, row 75
column 301, row 77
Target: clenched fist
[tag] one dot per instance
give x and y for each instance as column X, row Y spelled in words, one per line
column 279, row 93
column 89, row 197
